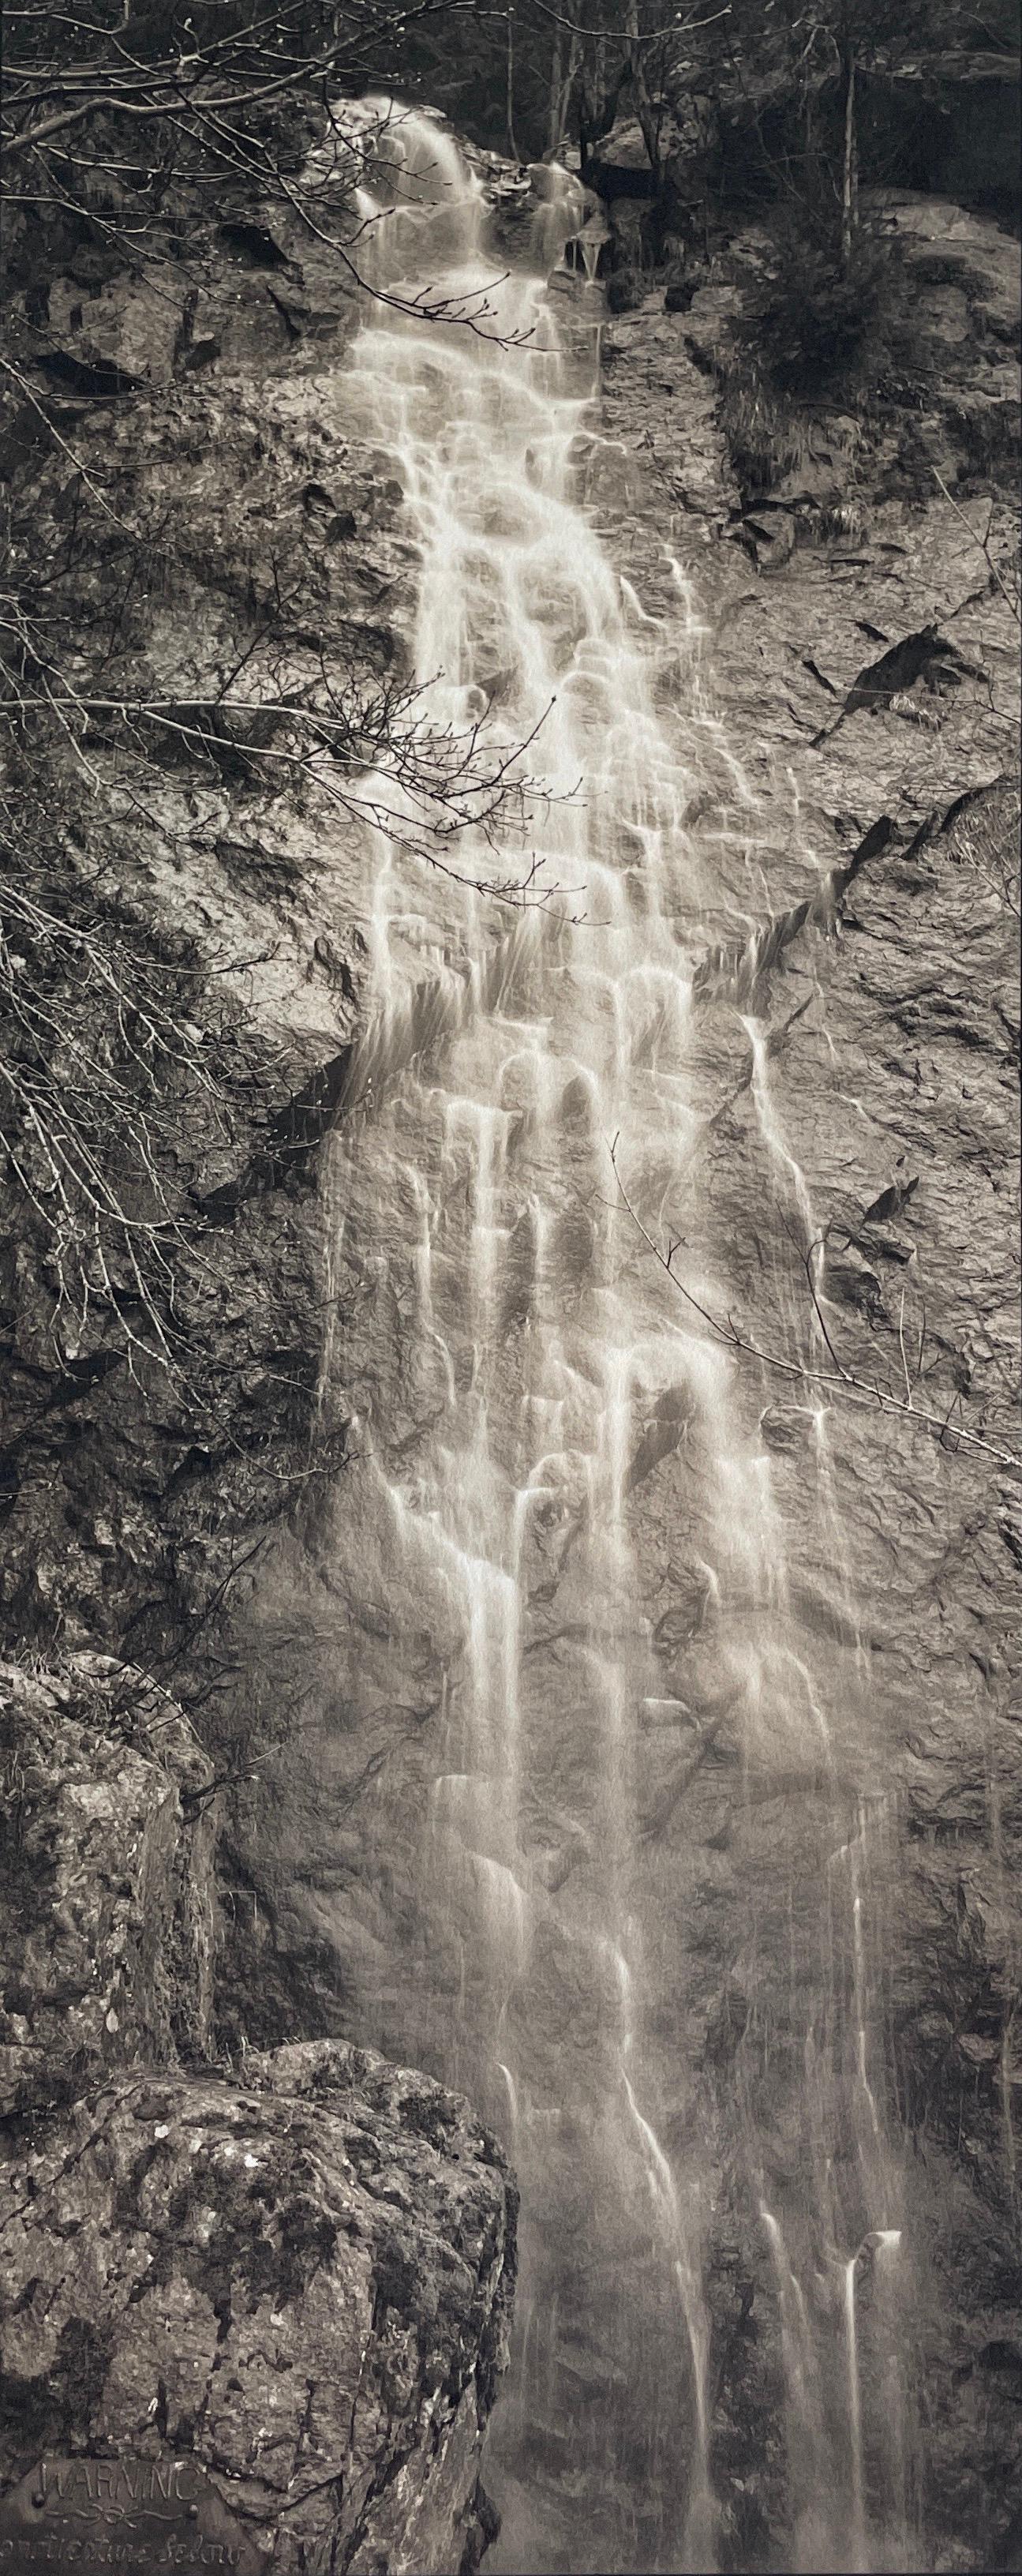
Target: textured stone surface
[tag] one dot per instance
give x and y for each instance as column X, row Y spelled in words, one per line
column 107, row 1898
column 263, row 538
column 878, row 917
column 267, row 541
column 873, row 865
column 301, row 2278
column 891, row 1030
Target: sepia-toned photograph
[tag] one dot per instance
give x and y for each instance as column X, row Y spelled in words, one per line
column 511, row 1463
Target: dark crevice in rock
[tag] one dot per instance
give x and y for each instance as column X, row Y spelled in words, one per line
column 734, row 970
column 295, row 1134
column 89, row 377
column 915, row 657
column 255, row 242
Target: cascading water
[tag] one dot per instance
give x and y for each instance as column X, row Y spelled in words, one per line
column 554, row 1891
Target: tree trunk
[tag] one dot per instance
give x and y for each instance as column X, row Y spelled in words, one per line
column 555, row 123
column 560, row 107
column 512, row 146
column 648, row 117
column 849, row 176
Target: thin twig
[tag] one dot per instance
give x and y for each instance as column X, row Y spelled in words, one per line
column 865, row 1394
column 983, row 543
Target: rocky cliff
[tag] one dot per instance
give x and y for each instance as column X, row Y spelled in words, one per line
column 294, row 2269
column 295, row 2275
column 859, row 667
column 866, row 643
column 301, row 2226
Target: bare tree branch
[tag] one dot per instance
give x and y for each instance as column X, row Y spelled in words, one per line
column 866, row 1394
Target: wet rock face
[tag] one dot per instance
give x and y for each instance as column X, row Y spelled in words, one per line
column 331, row 2245
column 852, row 1073
column 301, row 2279
column 252, row 538
column 888, row 1019
column 907, row 1133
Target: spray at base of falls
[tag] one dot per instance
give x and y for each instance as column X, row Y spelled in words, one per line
column 542, row 1367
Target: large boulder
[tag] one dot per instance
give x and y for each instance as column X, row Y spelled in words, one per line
column 298, row 2281
column 619, row 164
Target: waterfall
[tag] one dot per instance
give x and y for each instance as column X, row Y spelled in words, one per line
column 627, row 1784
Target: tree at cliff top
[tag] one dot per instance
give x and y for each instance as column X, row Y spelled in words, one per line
column 801, row 91
column 532, row 74
column 818, row 56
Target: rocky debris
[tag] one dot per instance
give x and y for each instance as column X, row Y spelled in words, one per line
column 107, row 1900
column 299, row 2277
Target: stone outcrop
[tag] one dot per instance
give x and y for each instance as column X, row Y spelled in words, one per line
column 108, row 1906
column 253, row 538
column 298, row 2278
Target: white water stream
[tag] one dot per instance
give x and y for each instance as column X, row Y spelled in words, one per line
column 540, row 1951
